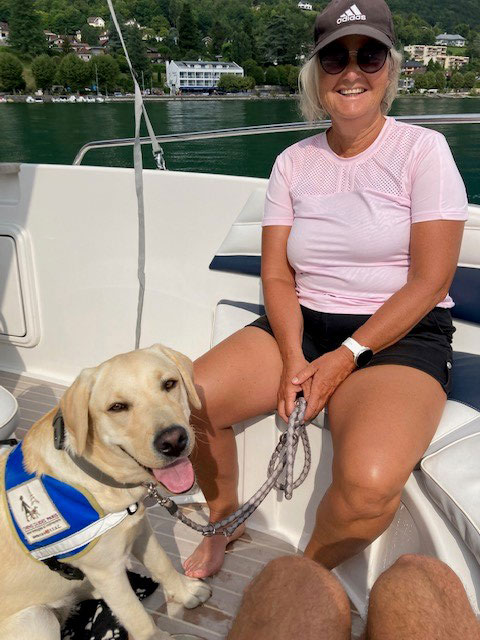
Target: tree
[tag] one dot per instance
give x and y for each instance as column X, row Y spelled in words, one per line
column 457, row 81
column 293, row 78
column 252, row 69
column 241, row 47
column 107, row 70
column 420, row 81
column 68, row 20
column 278, row 44
column 11, row 69
column 188, row 34
column 469, row 80
column 440, row 80
column 74, row 73
column 90, row 34
column 218, row 34
column 26, row 33
column 430, row 80
column 271, row 76
column 43, row 70
column 232, row 83
column 174, row 11
column 137, row 52
column 66, row 46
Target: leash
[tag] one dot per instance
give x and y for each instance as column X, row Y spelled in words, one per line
column 282, row 459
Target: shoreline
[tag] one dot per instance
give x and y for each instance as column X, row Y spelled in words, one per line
column 49, row 99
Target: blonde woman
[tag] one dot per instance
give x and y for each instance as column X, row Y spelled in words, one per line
column 362, row 231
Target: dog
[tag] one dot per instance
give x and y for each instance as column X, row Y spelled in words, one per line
column 125, row 422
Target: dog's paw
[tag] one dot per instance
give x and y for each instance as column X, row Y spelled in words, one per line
column 189, row 591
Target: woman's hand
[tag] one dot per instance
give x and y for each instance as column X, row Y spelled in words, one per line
column 325, row 375
column 287, row 391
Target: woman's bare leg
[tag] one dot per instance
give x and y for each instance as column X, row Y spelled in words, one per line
column 293, row 597
column 237, row 380
column 420, row 598
column 382, row 419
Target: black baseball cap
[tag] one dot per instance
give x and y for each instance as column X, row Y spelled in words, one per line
column 361, row 17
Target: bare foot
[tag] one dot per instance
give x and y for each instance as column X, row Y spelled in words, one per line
column 208, row 557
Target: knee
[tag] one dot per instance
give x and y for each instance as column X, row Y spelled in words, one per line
column 300, row 576
column 370, row 494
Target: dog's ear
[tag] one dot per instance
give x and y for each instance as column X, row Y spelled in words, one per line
column 74, row 406
column 185, row 366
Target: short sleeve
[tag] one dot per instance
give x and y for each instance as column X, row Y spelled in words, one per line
column 437, row 189
column 278, row 202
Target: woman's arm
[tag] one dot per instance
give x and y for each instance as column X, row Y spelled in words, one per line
column 281, row 301
column 284, row 314
column 434, row 251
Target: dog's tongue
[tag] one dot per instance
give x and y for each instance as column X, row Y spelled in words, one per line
column 178, row 477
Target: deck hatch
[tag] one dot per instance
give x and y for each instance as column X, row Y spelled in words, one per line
column 12, row 313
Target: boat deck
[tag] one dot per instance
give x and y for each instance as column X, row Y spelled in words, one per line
column 246, row 557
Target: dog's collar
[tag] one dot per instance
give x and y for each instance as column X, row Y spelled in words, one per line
column 83, row 464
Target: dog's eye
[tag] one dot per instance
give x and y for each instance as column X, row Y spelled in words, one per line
column 168, row 385
column 118, row 406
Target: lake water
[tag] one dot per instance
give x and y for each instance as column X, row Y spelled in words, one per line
column 53, row 133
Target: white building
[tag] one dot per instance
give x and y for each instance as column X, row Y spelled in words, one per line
column 450, row 40
column 96, row 21
column 305, row 6
column 3, row 32
column 198, row 75
column 405, row 84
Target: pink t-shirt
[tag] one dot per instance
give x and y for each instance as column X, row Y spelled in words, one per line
column 350, row 239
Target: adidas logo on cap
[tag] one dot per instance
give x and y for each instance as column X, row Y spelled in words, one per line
column 351, row 15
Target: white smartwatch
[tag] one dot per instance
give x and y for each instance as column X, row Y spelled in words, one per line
column 361, row 355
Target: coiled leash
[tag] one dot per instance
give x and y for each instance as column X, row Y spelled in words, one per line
column 283, row 459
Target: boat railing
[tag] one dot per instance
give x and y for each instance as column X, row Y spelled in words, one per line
column 287, row 127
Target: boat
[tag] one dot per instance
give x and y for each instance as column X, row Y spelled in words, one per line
column 68, row 300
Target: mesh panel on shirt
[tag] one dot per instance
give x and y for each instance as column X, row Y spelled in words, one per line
column 313, row 172
column 384, row 171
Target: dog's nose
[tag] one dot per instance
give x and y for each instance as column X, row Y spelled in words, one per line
column 171, row 441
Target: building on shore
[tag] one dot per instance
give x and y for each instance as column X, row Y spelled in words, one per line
column 199, row 75
column 450, row 40
column 4, row 31
column 412, row 67
column 306, row 6
column 96, row 21
column 424, row 53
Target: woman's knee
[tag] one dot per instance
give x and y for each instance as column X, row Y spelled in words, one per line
column 366, row 494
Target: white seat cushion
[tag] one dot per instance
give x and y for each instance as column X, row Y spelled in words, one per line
column 452, row 478
column 8, row 414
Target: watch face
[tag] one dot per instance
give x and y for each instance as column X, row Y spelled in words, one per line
column 364, row 357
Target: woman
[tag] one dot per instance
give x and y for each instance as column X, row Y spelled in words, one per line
column 362, row 231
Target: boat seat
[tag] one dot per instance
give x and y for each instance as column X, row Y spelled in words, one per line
column 8, row 414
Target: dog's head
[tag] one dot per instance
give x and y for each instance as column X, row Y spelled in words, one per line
column 130, row 415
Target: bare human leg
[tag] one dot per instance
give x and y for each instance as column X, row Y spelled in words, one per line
column 237, row 380
column 381, row 419
column 293, row 597
column 420, row 598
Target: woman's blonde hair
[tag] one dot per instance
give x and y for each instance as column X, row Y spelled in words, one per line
column 309, row 85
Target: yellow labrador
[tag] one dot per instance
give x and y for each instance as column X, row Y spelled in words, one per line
column 128, row 418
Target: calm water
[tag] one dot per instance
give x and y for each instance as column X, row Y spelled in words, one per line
column 53, row 133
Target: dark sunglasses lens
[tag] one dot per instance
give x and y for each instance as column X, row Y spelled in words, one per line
column 371, row 57
column 333, row 59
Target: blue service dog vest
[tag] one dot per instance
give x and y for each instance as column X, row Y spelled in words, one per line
column 52, row 518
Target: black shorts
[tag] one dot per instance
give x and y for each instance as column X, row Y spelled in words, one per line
column 427, row 347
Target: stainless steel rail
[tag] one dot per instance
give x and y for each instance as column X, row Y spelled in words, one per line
column 454, row 118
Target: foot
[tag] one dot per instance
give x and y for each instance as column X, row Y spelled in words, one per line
column 208, row 557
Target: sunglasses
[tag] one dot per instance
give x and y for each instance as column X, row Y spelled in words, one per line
column 371, row 57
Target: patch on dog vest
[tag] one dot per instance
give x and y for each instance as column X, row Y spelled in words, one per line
column 52, row 518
